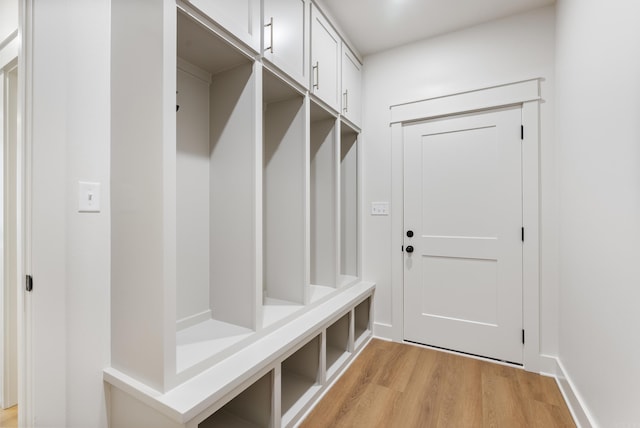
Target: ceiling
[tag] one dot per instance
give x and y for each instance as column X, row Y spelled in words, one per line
column 376, row 25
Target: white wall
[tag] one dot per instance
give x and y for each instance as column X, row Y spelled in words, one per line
column 8, row 18
column 70, row 251
column 598, row 133
column 503, row 51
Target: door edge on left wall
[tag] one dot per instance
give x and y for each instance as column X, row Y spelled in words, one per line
column 8, row 215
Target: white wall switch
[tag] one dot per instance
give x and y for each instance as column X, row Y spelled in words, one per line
column 88, row 197
column 379, row 208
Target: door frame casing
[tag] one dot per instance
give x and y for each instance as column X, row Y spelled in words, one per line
column 526, row 94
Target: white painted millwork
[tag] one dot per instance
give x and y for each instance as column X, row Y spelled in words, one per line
column 240, row 17
column 325, row 60
column 233, row 250
column 323, row 203
column 302, row 357
column 284, row 195
column 465, row 103
column 351, row 100
column 463, row 203
column 349, row 205
column 11, row 238
column 286, row 37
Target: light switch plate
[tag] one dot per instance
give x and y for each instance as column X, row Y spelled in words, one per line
column 379, row 208
column 88, row 197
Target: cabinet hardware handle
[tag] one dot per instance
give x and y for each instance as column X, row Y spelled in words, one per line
column 316, row 69
column 346, row 101
column 270, row 25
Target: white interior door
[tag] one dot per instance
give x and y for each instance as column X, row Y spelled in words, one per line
column 463, row 203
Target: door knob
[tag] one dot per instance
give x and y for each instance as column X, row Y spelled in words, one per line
column 409, row 248
column 410, row 233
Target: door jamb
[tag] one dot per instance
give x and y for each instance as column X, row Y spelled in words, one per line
column 527, row 94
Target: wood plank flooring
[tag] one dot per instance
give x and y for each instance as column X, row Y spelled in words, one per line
column 404, row 386
column 9, row 417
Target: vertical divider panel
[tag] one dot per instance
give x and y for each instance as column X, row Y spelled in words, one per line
column 234, row 143
column 276, row 403
column 169, row 198
column 307, row 199
column 352, row 331
column 142, row 92
column 322, row 378
column 336, row 202
column 258, row 212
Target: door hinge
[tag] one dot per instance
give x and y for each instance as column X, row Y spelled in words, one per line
column 28, row 283
column 522, row 234
column 522, row 132
column 523, row 336
column 402, row 249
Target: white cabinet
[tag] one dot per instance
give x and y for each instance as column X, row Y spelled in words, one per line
column 351, row 87
column 240, row 17
column 325, row 60
column 244, row 244
column 286, row 37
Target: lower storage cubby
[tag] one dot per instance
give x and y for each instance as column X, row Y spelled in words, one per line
column 271, row 381
column 337, row 345
column 300, row 380
column 362, row 321
column 250, row 409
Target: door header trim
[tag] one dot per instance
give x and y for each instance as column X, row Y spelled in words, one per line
column 478, row 99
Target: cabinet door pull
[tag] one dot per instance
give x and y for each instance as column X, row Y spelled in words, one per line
column 270, row 25
column 346, row 101
column 316, row 77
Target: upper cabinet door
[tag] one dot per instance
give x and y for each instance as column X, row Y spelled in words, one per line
column 351, row 87
column 325, row 60
column 240, row 17
column 286, row 37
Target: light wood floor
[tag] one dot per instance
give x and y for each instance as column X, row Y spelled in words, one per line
column 9, row 417
column 398, row 385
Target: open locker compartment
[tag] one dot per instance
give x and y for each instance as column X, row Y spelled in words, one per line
column 252, row 408
column 323, row 203
column 216, row 142
column 338, row 345
column 349, row 196
column 300, row 380
column 362, row 322
column 283, row 201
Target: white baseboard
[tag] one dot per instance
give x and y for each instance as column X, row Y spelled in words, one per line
column 578, row 409
column 383, row 331
column 547, row 365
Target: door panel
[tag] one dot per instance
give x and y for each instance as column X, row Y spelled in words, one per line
column 286, row 37
column 463, row 201
column 240, row 17
column 325, row 59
